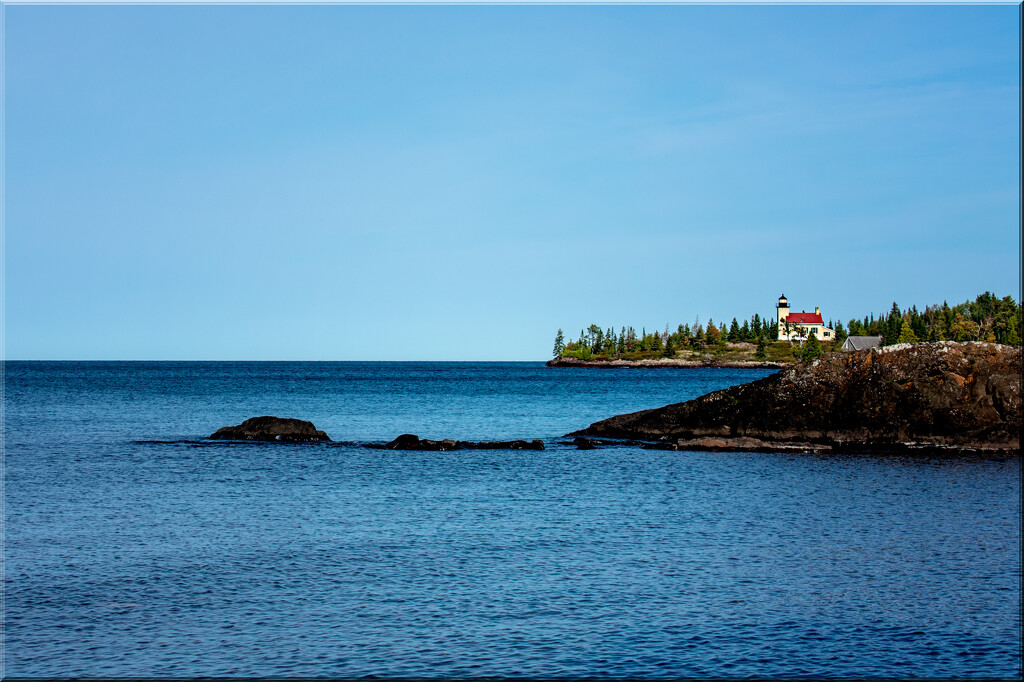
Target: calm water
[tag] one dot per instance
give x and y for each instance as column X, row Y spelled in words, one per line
column 191, row 557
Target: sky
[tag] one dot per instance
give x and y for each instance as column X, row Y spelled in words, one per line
column 453, row 182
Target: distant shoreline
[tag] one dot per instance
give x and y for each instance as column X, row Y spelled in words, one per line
column 665, row 362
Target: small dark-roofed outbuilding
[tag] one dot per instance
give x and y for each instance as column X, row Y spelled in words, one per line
column 861, row 342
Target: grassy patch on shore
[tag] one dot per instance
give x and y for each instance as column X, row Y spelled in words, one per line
column 779, row 351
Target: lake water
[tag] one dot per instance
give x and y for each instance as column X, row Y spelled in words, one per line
column 192, row 557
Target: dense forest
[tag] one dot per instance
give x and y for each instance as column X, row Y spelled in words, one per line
column 987, row 318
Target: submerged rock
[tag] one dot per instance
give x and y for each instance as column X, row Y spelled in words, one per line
column 272, row 429
column 502, row 445
column 409, row 441
column 946, row 395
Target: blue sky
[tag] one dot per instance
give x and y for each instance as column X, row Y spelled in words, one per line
column 457, row 182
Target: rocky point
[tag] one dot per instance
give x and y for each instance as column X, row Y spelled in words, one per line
column 930, row 395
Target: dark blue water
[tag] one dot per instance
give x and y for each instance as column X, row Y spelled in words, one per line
column 128, row 558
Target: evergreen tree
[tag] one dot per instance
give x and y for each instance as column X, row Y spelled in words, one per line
column 698, row 339
column 559, row 344
column 711, row 333
column 670, row 348
column 907, row 334
column 1004, row 315
column 918, row 324
column 811, row 348
column 762, row 349
column 734, row 331
column 1011, row 336
column 839, row 335
column 893, row 323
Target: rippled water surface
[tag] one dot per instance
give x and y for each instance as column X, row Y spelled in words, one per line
column 192, row 557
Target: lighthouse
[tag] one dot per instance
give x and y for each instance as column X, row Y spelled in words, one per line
column 800, row 324
column 781, row 311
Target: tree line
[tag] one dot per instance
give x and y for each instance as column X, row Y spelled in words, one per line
column 987, row 318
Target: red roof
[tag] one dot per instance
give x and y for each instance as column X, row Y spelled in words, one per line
column 804, row 318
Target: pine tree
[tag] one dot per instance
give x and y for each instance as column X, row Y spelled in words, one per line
column 891, row 328
column 907, row 334
column 559, row 344
column 1012, row 335
column 712, row 332
column 698, row 339
column 811, row 348
column 840, row 335
column 734, row 331
column 762, row 349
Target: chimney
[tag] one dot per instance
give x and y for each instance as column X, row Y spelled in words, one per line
column 817, row 310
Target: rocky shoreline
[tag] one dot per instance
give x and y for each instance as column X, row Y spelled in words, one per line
column 664, row 362
column 945, row 395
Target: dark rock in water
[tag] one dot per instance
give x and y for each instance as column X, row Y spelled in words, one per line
column 582, row 443
column 408, row 441
column 659, row 446
column 272, row 429
column 930, row 395
column 503, row 445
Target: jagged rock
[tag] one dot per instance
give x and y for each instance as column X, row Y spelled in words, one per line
column 272, row 429
column 945, row 394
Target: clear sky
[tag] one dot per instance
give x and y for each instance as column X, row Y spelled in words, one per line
column 457, row 182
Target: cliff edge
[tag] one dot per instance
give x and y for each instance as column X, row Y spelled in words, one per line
column 944, row 394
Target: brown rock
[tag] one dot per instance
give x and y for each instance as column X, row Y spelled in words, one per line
column 965, row 395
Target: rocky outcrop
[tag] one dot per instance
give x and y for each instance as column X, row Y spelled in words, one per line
column 946, row 394
column 408, row 441
column 272, row 429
